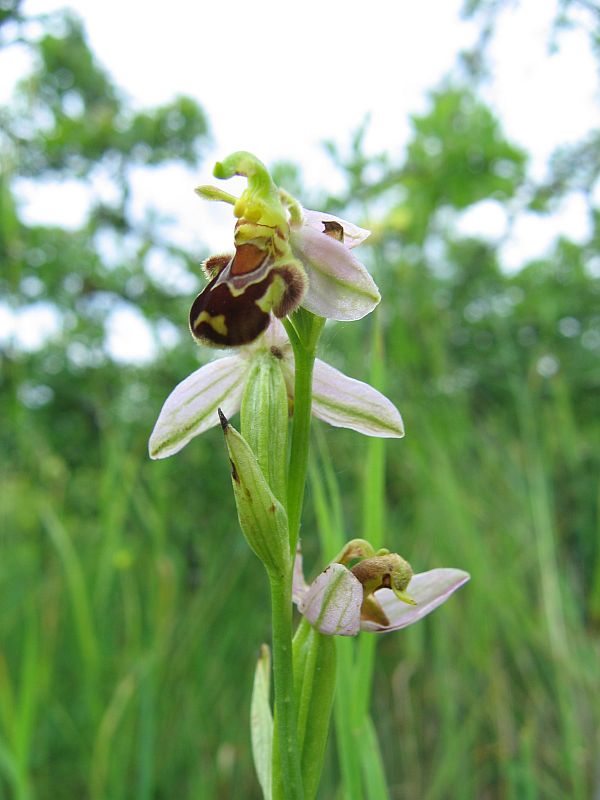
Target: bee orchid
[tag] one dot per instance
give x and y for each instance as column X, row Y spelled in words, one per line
column 364, row 590
column 285, row 256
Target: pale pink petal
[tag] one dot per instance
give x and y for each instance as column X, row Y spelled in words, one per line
column 429, row 589
column 299, row 585
column 348, row 403
column 339, row 287
column 275, row 336
column 353, row 235
column 332, row 602
column 191, row 408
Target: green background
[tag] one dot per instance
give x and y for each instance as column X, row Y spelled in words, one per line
column 131, row 608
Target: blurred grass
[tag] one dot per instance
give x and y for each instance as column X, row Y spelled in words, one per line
column 133, row 612
column 126, row 666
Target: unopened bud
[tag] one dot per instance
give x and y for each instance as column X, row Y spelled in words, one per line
column 264, row 420
column 262, row 517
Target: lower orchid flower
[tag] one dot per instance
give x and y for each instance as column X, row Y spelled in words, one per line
column 191, row 408
column 379, row 593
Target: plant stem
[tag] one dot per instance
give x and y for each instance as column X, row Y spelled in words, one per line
column 283, row 678
column 304, row 334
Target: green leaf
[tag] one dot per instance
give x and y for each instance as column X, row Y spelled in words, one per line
column 314, row 686
column 261, row 722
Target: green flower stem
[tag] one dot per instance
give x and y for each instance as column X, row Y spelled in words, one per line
column 373, row 525
column 347, row 738
column 304, row 332
column 283, row 677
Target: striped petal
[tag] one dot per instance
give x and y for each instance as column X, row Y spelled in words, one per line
column 299, row 585
column 332, row 602
column 191, row 408
column 428, row 589
column 348, row 403
column 339, row 286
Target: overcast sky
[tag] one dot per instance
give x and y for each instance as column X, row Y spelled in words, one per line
column 278, row 78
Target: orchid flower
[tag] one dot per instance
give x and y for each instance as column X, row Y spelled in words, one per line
column 191, row 408
column 285, row 257
column 378, row 594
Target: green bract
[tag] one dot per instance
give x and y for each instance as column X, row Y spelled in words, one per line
column 262, row 517
column 264, row 420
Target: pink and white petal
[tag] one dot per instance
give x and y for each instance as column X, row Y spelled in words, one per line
column 339, row 286
column 347, row 403
column 353, row 235
column 299, row 585
column 191, row 408
column 275, row 336
column 429, row 589
column 332, row 602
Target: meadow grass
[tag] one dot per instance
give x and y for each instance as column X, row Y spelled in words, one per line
column 133, row 611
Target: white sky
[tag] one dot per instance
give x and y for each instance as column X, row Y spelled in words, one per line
column 278, row 78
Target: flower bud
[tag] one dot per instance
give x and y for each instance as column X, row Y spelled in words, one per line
column 263, row 519
column 264, row 420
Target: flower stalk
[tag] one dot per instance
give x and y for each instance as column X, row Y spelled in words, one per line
column 286, row 741
column 304, row 333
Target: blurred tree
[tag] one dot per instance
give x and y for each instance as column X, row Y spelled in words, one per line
column 68, row 121
column 116, row 601
column 462, row 324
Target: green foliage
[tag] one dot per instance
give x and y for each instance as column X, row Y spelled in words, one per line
column 459, row 155
column 78, row 118
column 132, row 608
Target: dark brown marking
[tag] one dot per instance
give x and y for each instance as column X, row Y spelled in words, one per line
column 295, row 287
column 234, row 309
column 234, row 474
column 214, row 265
column 244, row 320
column 223, row 420
column 333, row 229
column 276, row 351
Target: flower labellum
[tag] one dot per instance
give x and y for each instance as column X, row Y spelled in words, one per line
column 235, row 307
